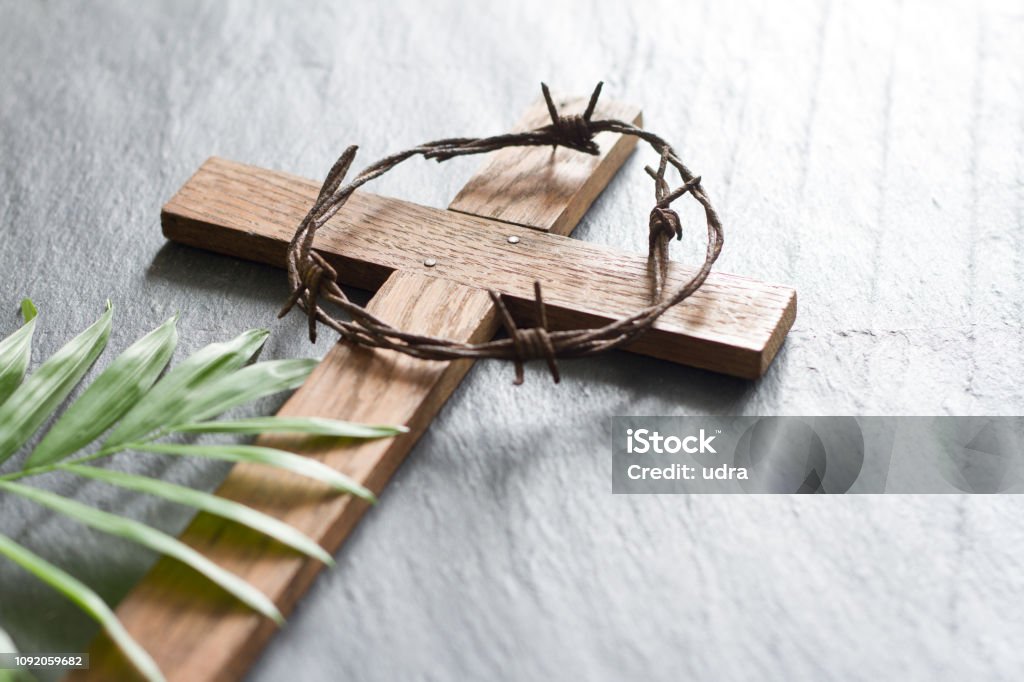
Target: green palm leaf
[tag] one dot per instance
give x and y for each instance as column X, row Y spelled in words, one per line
column 36, row 399
column 153, row 539
column 172, row 394
column 244, row 386
column 211, row 504
column 304, row 466
column 137, row 409
column 313, row 426
column 15, row 351
column 86, row 599
column 110, row 396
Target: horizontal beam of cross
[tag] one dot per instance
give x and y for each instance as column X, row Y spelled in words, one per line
column 732, row 325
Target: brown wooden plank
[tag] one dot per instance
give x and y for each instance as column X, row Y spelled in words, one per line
column 544, row 189
column 197, row 632
column 732, row 324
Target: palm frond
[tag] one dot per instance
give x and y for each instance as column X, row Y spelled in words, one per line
column 86, row 599
column 211, row 504
column 15, row 351
column 151, row 538
column 310, row 426
column 170, row 399
column 37, row 398
column 136, row 409
column 303, row 466
column 110, row 396
column 244, row 386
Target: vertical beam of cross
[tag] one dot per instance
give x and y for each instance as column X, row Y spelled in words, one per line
column 197, row 633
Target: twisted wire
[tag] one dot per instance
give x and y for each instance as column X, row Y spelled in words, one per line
column 313, row 280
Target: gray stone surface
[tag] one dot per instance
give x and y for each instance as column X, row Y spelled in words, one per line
column 870, row 154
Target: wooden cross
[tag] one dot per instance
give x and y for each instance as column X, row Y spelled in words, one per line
column 506, row 228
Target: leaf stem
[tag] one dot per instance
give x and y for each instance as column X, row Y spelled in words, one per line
column 47, row 468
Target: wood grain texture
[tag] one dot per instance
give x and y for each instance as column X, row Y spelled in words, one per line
column 509, row 182
column 194, row 630
column 732, row 325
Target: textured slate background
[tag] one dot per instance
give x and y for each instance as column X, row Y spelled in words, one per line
column 868, row 153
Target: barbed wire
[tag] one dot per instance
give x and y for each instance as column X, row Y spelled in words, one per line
column 314, row 280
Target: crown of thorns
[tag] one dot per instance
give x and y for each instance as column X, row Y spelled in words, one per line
column 314, row 280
